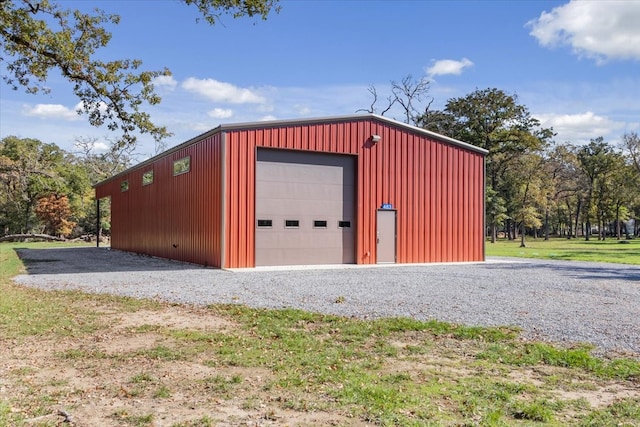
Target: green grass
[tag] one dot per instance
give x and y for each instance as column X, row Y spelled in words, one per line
column 26, row 312
column 202, row 422
column 385, row 372
column 30, row 312
column 346, row 359
column 610, row 250
column 621, row 413
column 532, row 354
column 124, row 418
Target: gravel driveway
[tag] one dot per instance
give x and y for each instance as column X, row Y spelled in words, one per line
column 550, row 300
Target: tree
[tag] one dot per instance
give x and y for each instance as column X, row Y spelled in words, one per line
column 55, row 212
column 39, row 36
column 99, row 166
column 409, row 93
column 30, row 170
column 631, row 143
column 624, row 193
column 102, row 165
column 566, row 186
column 493, row 120
column 597, row 160
column 529, row 191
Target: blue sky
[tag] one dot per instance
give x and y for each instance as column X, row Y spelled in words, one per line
column 575, row 65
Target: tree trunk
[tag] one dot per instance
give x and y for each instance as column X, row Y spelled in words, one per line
column 578, row 206
column 587, row 233
column 493, row 230
column 546, row 224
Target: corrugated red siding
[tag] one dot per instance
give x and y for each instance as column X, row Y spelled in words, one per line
column 437, row 188
column 176, row 217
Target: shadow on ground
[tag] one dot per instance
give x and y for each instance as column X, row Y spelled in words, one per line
column 574, row 269
column 93, row 260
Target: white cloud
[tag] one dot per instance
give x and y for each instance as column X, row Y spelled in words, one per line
column 53, row 111
column 579, row 128
column 97, row 146
column 303, row 110
column 444, row 67
column 101, row 146
column 198, row 127
column 220, row 113
column 267, row 118
column 599, row 30
column 167, row 82
column 222, row 92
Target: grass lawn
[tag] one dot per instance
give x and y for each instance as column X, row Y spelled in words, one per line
column 111, row 361
column 610, row 250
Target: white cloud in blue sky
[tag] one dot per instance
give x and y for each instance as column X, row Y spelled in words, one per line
column 53, row 111
column 601, row 30
column 583, row 126
column 443, row 67
column 220, row 113
column 165, row 82
column 218, row 91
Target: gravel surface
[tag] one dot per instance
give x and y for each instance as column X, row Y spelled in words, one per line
column 562, row 302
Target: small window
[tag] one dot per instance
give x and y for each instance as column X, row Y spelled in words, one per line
column 291, row 223
column 265, row 223
column 319, row 224
column 344, row 224
column 181, row 166
column 147, row 177
column 124, row 185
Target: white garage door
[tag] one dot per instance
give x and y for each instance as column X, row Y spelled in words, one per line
column 305, row 205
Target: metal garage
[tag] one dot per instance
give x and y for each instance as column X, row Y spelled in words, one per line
column 305, row 206
column 360, row 189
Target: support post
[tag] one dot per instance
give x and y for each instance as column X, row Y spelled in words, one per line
column 97, row 223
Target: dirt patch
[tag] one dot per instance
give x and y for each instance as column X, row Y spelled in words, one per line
column 112, row 379
column 602, row 396
column 173, row 317
column 135, row 372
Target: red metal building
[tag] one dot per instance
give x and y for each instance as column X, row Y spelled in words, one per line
column 359, row 189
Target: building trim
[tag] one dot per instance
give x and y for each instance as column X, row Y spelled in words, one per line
column 223, row 202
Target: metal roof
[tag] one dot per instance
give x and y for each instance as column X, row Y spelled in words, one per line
column 301, row 121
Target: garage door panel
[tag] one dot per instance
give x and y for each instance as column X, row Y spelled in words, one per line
column 308, row 174
column 306, row 187
column 318, row 238
column 300, row 191
column 303, row 256
column 317, row 209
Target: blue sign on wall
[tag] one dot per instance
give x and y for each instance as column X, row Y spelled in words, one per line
column 387, row 206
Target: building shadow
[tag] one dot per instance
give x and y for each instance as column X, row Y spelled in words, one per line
column 582, row 270
column 94, row 260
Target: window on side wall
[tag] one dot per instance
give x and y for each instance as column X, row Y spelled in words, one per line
column 147, row 177
column 181, row 166
column 124, row 185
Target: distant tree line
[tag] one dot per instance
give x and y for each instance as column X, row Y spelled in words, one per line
column 46, row 190
column 534, row 185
